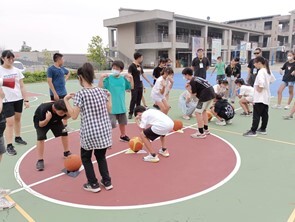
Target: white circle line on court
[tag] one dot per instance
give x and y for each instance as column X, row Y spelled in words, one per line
column 37, row 194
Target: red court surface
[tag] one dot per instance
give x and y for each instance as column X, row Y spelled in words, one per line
column 195, row 167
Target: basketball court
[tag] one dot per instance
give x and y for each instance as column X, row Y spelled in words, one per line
column 225, row 177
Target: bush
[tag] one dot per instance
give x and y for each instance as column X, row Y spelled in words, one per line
column 41, row 76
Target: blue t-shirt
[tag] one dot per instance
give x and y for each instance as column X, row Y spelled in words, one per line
column 58, row 79
column 117, row 87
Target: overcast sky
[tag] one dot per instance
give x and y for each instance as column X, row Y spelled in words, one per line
column 68, row 25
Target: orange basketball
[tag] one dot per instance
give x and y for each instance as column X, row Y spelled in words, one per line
column 73, row 163
column 178, row 125
column 210, row 115
column 135, row 144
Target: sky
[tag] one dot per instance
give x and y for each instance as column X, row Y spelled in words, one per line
column 69, row 25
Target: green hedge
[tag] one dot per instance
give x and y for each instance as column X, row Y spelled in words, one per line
column 40, row 76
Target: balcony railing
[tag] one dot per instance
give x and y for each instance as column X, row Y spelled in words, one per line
column 151, row 38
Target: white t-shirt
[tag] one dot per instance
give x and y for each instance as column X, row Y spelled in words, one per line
column 263, row 80
column 160, row 123
column 246, row 91
column 218, row 89
column 15, row 94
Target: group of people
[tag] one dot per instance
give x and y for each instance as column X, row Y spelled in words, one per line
column 101, row 107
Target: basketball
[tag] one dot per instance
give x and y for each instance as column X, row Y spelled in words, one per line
column 135, row 144
column 178, row 125
column 72, row 163
column 209, row 114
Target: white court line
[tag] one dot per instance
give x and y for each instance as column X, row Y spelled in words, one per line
column 33, row 192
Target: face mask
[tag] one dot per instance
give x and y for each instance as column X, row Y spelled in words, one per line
column 290, row 58
column 115, row 72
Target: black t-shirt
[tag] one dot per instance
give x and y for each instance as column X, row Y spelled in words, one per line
column 202, row 88
column 232, row 71
column 157, row 72
column 40, row 114
column 136, row 71
column 224, row 109
column 200, row 66
column 251, row 66
column 289, row 68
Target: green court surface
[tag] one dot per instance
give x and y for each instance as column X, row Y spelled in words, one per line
column 262, row 190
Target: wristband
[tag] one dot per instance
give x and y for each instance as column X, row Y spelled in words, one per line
column 26, row 101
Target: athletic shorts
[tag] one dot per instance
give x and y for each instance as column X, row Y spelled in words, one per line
column 10, row 108
column 122, row 119
column 157, row 97
column 60, row 97
column 56, row 129
column 202, row 106
column 2, row 145
column 249, row 99
column 151, row 135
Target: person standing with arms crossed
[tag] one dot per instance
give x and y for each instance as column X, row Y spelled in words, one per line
column 13, row 101
column 57, row 76
column 135, row 69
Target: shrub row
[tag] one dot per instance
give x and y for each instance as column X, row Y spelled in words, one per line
column 40, row 76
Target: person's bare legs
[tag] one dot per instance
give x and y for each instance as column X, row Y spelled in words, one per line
column 147, row 143
column 291, row 94
column 40, row 149
column 17, row 124
column 122, row 129
column 65, row 143
column 280, row 93
column 9, row 129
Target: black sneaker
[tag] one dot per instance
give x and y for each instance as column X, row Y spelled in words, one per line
column 92, row 187
column 130, row 116
column 40, row 165
column 124, row 138
column 67, row 153
column 250, row 133
column 11, row 151
column 19, row 140
column 107, row 185
column 261, row 131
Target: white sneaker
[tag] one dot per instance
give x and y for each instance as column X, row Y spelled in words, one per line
column 164, row 153
column 207, row 132
column 287, row 107
column 150, row 158
column 220, row 123
column 68, row 129
column 4, row 192
column 276, row 106
column 186, row 117
column 229, row 122
column 5, row 204
column 198, row 135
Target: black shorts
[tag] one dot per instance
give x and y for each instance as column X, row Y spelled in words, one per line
column 56, row 129
column 60, row 97
column 10, row 108
column 150, row 134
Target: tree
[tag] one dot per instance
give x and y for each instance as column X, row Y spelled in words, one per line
column 47, row 57
column 96, row 52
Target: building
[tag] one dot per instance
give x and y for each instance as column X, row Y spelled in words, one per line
column 279, row 33
column 158, row 33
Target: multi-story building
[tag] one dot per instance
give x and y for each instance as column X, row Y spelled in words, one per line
column 158, row 33
column 279, row 33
